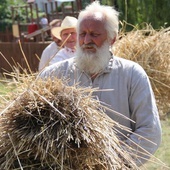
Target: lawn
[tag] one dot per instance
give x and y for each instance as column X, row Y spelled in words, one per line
column 163, row 153
column 3, row 89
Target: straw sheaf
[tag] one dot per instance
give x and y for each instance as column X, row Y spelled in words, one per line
column 48, row 125
column 150, row 48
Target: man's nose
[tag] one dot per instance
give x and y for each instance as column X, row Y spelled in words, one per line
column 87, row 39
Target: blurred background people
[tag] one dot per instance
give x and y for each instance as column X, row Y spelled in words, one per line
column 44, row 21
column 52, row 49
column 64, row 35
column 67, row 33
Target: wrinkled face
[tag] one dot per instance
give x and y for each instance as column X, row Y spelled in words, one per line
column 92, row 34
column 92, row 53
column 71, row 41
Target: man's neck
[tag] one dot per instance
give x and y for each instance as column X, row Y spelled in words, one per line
column 94, row 75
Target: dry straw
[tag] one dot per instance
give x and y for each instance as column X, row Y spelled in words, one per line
column 151, row 49
column 48, row 125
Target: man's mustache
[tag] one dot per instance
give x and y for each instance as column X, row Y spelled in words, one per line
column 89, row 46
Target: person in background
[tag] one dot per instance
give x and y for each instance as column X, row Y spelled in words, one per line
column 52, row 24
column 123, row 85
column 66, row 36
column 44, row 21
column 52, row 49
column 67, row 33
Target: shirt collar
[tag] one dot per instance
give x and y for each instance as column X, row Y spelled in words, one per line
column 110, row 64
column 69, row 50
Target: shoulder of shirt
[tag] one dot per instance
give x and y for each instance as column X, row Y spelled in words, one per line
column 51, row 45
column 124, row 61
column 66, row 61
column 128, row 64
column 60, row 65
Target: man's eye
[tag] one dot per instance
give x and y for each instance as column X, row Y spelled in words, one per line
column 72, row 33
column 65, row 34
column 82, row 34
column 95, row 35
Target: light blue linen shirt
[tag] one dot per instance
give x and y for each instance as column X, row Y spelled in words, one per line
column 63, row 54
column 129, row 93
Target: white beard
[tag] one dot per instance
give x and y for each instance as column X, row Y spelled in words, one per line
column 93, row 63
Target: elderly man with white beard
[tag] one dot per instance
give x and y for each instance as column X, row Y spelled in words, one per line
column 123, row 85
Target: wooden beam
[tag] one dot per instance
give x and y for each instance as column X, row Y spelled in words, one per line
column 38, row 32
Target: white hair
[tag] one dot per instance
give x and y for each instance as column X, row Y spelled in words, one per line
column 109, row 15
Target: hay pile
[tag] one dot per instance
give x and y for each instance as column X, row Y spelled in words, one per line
column 151, row 49
column 49, row 126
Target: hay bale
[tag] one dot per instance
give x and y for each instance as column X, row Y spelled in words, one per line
column 150, row 48
column 48, row 125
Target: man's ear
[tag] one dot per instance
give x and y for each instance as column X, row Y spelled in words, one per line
column 113, row 41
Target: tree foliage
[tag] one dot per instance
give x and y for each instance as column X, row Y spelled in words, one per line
column 136, row 12
column 6, row 12
column 3, row 9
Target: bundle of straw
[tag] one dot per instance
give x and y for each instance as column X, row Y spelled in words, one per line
column 150, row 48
column 48, row 125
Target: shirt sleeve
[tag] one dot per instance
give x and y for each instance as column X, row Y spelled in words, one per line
column 146, row 136
column 48, row 55
column 56, row 70
column 43, row 60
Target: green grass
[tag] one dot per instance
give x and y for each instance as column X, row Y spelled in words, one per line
column 163, row 153
column 3, row 91
column 3, row 88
